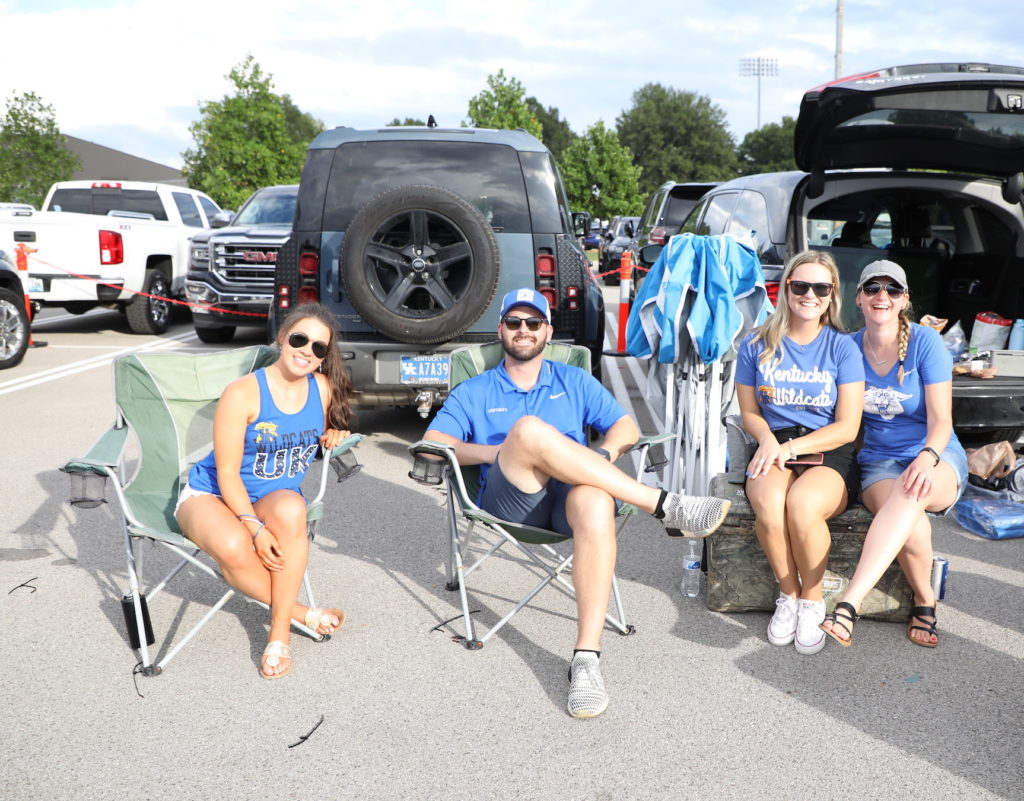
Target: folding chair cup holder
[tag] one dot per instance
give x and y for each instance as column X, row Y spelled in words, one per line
column 167, row 401
column 435, row 463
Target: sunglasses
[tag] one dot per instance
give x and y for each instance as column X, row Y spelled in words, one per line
column 874, row 287
column 532, row 323
column 299, row 340
column 800, row 288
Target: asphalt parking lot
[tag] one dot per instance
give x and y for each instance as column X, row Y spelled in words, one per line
column 701, row 705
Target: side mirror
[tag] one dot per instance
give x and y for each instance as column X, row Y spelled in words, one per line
column 221, row 219
column 580, row 223
column 649, row 254
column 1013, row 187
column 630, row 231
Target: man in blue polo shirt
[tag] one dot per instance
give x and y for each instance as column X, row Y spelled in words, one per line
column 524, row 422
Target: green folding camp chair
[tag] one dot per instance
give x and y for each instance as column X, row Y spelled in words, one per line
column 435, row 463
column 167, row 401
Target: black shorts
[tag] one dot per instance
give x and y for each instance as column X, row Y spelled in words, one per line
column 842, row 459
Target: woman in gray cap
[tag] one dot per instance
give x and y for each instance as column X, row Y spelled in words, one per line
column 911, row 461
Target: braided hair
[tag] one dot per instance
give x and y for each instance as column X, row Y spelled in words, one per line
column 903, row 340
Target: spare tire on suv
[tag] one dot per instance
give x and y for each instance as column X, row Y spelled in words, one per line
column 412, row 236
column 420, row 264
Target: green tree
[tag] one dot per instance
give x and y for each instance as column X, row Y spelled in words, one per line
column 555, row 132
column 406, row 121
column 503, row 105
column 600, row 175
column 677, row 136
column 245, row 140
column 301, row 127
column 33, row 152
column 768, row 148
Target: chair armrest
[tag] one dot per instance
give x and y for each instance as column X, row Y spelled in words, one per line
column 653, row 439
column 342, row 461
column 103, row 457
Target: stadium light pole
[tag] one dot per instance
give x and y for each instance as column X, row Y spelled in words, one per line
column 761, row 67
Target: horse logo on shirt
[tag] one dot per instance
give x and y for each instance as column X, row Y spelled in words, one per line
column 266, row 431
column 884, row 401
column 767, row 393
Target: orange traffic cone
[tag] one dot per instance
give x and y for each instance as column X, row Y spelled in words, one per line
column 21, row 254
column 625, row 290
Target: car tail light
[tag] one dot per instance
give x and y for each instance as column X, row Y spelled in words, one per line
column 103, row 185
column 111, row 248
column 545, row 265
column 572, row 298
column 550, row 296
column 657, row 236
column 309, row 269
column 773, row 291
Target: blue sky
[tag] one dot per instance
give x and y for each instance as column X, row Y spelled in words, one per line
column 130, row 74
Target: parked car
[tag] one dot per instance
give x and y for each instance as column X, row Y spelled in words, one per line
column 923, row 165
column 413, row 235
column 232, row 268
column 14, row 321
column 592, row 239
column 116, row 244
column 617, row 239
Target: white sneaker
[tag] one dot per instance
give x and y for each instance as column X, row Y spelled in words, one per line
column 782, row 626
column 809, row 637
column 587, row 696
column 693, row 516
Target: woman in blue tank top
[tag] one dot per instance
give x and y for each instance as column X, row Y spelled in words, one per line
column 243, row 503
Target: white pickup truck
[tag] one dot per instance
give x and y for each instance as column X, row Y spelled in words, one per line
column 114, row 244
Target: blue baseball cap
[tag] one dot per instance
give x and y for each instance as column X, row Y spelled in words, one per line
column 526, row 297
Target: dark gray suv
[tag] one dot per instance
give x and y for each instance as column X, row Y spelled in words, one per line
column 412, row 236
column 923, row 165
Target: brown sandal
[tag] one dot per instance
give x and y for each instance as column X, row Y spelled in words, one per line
column 920, row 613
column 849, row 614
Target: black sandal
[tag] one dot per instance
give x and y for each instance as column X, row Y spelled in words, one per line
column 920, row 613
column 849, row 614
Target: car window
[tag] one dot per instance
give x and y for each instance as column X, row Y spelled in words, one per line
column 717, row 214
column 486, row 175
column 209, row 207
column 691, row 223
column 188, row 209
column 550, row 213
column 268, row 208
column 97, row 200
column 653, row 205
column 676, row 209
column 750, row 216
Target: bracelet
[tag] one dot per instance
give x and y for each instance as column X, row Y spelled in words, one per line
column 253, row 519
column 933, row 453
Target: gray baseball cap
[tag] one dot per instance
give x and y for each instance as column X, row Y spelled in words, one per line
column 883, row 269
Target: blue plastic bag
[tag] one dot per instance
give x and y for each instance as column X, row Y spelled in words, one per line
column 994, row 518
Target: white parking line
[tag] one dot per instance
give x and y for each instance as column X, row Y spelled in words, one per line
column 56, row 373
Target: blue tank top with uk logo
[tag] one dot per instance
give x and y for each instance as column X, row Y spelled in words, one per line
column 279, row 447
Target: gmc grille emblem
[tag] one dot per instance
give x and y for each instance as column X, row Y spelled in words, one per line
column 260, row 256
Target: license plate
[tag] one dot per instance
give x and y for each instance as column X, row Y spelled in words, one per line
column 35, row 284
column 425, row 369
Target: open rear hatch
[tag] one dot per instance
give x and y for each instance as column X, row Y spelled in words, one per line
column 957, row 117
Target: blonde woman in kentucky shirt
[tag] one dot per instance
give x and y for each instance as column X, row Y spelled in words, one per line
column 911, row 462
column 800, row 385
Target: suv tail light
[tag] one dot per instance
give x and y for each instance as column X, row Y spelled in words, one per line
column 309, row 270
column 773, row 291
column 111, row 248
column 284, row 297
column 545, row 266
column 657, row 236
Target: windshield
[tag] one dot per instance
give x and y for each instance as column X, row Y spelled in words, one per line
column 268, row 208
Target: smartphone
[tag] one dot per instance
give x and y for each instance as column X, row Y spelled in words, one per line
column 807, row 459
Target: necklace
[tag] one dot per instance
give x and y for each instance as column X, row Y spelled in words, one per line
column 874, row 356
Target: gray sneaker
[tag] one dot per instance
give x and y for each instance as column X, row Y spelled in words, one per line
column 587, row 698
column 693, row 516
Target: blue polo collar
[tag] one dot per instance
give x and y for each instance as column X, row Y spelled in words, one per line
column 543, row 379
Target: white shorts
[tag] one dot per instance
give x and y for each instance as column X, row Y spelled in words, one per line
column 186, row 493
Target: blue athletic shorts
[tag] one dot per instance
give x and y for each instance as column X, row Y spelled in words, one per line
column 544, row 509
column 872, row 472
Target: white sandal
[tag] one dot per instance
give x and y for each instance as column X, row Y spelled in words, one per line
column 274, row 653
column 317, row 617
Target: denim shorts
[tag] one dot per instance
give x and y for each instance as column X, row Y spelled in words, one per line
column 186, row 493
column 881, row 469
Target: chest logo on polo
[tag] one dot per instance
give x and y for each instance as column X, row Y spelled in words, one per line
column 557, row 395
column 884, row 401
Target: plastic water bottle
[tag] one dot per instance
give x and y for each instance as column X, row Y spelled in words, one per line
column 690, row 584
column 1017, row 336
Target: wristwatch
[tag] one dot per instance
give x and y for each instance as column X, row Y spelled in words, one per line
column 604, row 453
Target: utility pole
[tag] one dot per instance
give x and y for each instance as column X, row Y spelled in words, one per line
column 759, row 66
column 839, row 39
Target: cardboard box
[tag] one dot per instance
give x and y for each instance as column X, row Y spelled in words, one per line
column 1008, row 362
